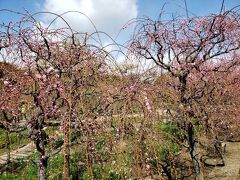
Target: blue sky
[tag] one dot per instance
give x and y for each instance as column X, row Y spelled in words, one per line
column 198, row 7
column 110, row 15
column 145, row 7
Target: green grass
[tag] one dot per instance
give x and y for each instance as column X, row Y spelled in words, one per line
column 20, row 171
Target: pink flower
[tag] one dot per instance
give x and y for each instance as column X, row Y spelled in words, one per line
column 50, row 69
column 5, row 82
column 38, row 76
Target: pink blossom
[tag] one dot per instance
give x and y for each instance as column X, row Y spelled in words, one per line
column 5, row 82
column 38, row 76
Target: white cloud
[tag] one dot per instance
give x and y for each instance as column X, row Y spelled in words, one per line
column 108, row 15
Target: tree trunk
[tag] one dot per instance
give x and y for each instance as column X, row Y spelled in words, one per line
column 188, row 114
column 193, row 152
column 39, row 142
column 42, row 167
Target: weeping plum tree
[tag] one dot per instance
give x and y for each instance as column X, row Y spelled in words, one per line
column 79, row 68
column 180, row 47
column 36, row 84
column 58, row 72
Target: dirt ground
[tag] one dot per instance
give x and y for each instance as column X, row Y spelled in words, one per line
column 231, row 170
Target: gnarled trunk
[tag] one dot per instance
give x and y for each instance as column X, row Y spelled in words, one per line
column 193, row 152
column 39, row 135
column 42, row 167
column 188, row 114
